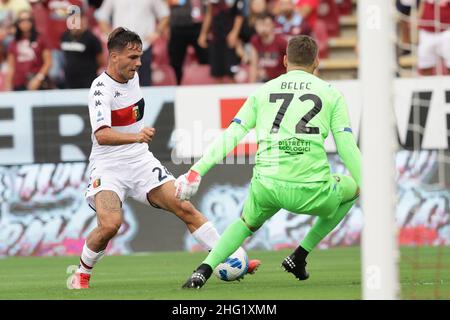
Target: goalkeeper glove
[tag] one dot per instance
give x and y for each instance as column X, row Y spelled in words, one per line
column 187, row 185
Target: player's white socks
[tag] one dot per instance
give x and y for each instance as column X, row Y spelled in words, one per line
column 88, row 259
column 206, row 235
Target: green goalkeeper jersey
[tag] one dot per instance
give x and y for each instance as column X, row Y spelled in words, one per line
column 292, row 116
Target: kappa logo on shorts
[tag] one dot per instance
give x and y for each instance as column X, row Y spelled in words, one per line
column 97, row 183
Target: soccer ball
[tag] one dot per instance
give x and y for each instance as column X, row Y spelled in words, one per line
column 234, row 267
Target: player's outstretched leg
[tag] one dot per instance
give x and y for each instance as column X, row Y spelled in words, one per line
column 109, row 216
column 295, row 263
column 201, row 229
column 232, row 238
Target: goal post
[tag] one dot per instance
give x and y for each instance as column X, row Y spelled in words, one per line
column 378, row 144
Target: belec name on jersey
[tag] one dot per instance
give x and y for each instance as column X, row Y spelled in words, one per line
column 291, row 85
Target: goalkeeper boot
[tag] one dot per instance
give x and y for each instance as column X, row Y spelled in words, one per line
column 295, row 266
column 80, row 281
column 253, row 265
column 199, row 277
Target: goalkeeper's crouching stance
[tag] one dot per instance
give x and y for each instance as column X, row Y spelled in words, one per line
column 292, row 115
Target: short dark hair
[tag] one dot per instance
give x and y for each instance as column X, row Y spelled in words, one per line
column 120, row 38
column 301, row 50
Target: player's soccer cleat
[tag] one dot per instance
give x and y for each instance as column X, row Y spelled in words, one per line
column 253, row 265
column 198, row 278
column 296, row 267
column 80, row 281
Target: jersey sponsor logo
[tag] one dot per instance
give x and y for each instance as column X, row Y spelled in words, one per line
column 294, row 146
column 128, row 115
column 98, row 93
column 117, row 94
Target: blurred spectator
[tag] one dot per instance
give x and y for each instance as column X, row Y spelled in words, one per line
column 224, row 19
column 82, row 55
column 148, row 18
column 243, row 47
column 186, row 17
column 255, row 8
column 5, row 33
column 308, row 11
column 29, row 59
column 13, row 7
column 289, row 22
column 404, row 26
column 92, row 6
column 54, row 18
column 9, row 9
column 95, row 3
column 434, row 35
column 268, row 50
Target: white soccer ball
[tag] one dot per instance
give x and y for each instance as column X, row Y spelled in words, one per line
column 234, row 267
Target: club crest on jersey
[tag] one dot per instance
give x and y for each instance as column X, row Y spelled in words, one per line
column 128, row 115
column 135, row 112
column 97, row 183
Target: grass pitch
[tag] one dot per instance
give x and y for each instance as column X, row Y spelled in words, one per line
column 335, row 274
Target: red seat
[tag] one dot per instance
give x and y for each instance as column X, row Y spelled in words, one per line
column 194, row 74
column 163, row 75
column 190, row 57
column 345, row 7
column 329, row 13
column 160, row 54
column 320, row 34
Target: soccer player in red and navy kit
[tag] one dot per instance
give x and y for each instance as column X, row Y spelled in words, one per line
column 120, row 163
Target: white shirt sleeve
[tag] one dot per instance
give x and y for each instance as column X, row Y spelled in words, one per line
column 99, row 108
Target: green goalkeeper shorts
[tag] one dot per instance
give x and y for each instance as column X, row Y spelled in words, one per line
column 267, row 196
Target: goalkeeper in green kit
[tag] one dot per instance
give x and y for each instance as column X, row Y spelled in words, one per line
column 292, row 115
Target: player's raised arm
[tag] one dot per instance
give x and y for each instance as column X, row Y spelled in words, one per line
column 187, row 184
column 345, row 141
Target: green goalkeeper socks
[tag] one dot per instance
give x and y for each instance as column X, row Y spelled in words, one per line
column 322, row 227
column 232, row 238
